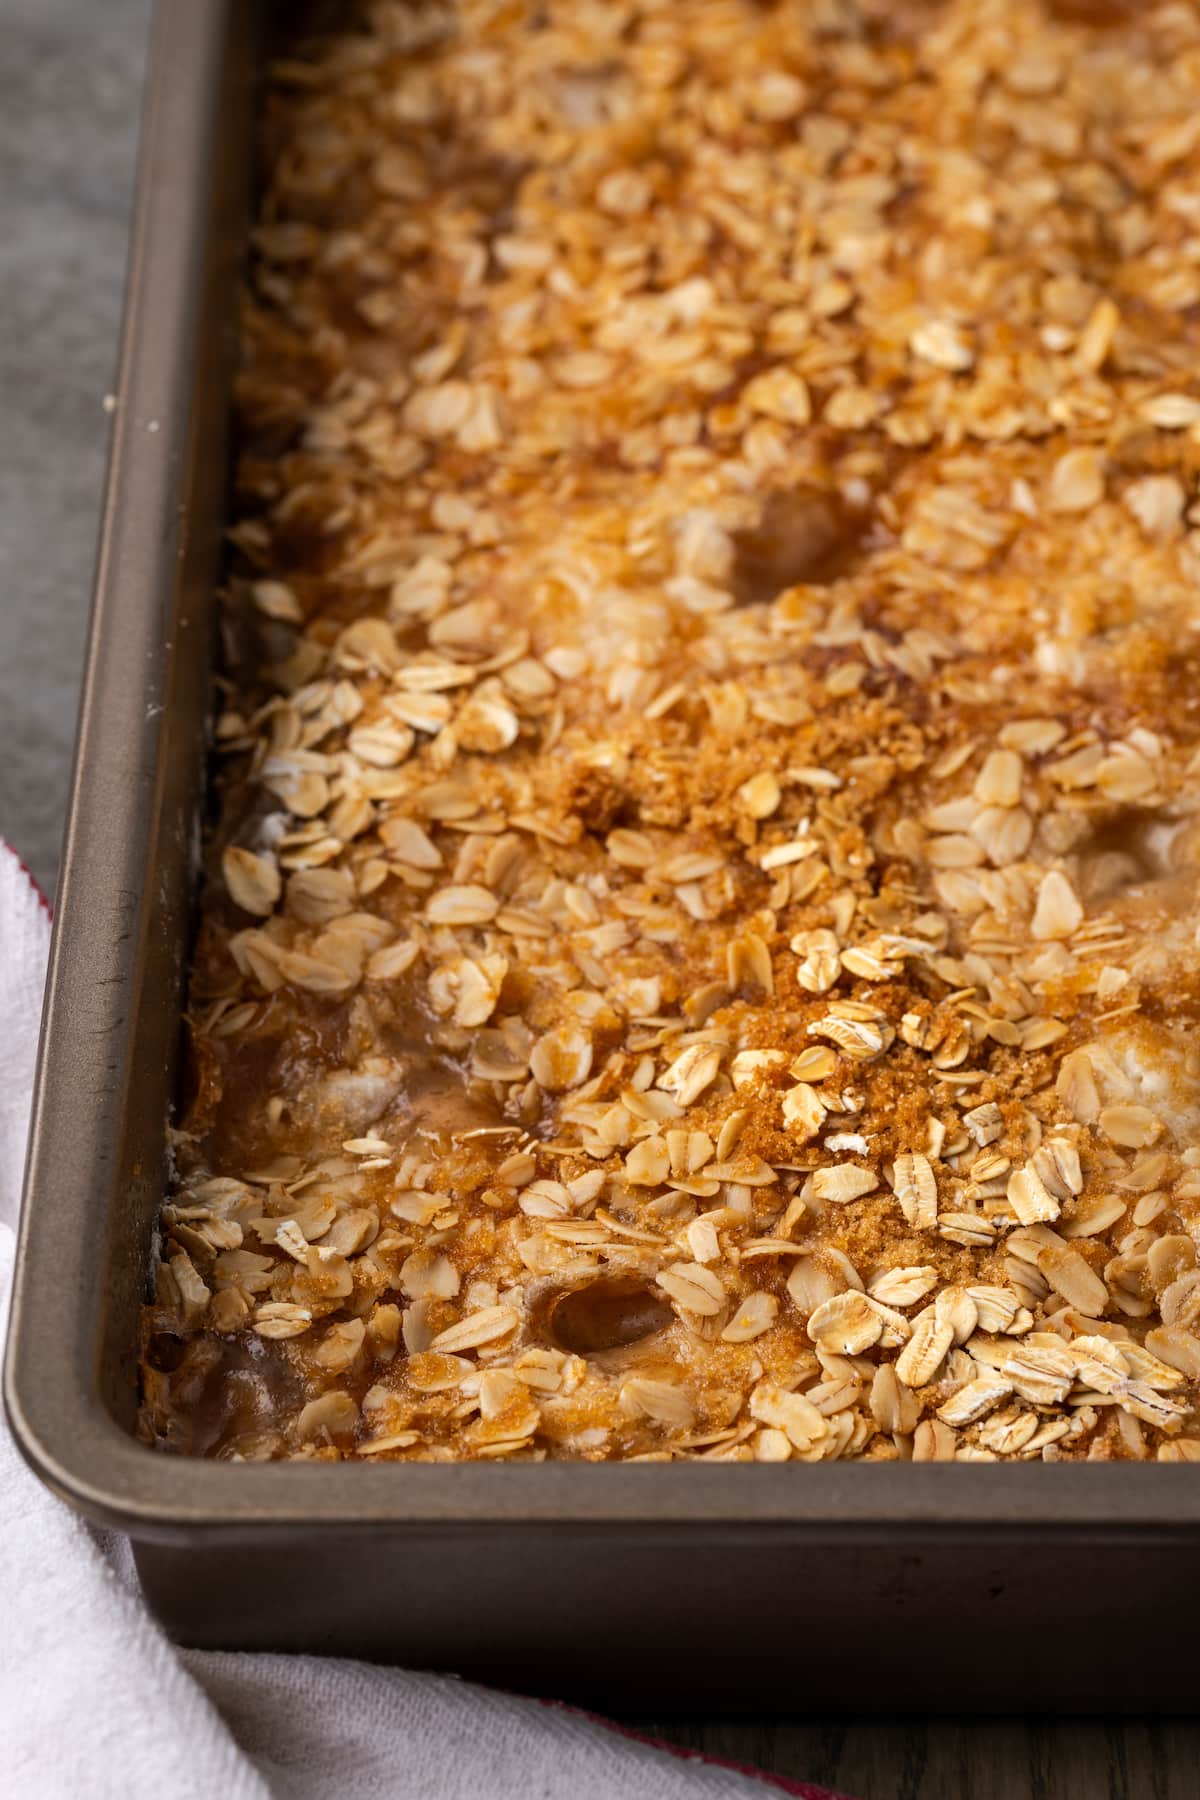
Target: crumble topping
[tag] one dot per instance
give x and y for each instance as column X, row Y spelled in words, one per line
column 700, row 954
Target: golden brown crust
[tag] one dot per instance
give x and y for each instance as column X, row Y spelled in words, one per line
column 702, row 935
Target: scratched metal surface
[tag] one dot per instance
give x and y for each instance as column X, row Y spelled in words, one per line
column 70, row 75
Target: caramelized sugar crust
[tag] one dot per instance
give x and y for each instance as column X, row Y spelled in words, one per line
column 699, row 956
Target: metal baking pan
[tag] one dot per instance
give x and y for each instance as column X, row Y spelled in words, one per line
column 731, row 1589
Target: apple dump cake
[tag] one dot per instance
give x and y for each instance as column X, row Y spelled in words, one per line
column 699, row 956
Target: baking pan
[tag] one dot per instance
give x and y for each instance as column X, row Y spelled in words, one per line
column 733, row 1589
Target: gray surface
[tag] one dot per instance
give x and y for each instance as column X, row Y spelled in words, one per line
column 70, row 79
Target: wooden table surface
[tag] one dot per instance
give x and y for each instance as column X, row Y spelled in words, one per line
column 1042, row 1759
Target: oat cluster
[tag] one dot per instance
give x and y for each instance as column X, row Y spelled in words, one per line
column 700, row 954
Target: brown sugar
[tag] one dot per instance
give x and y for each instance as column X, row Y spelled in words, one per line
column 700, row 945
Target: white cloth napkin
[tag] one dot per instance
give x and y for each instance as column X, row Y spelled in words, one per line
column 95, row 1702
